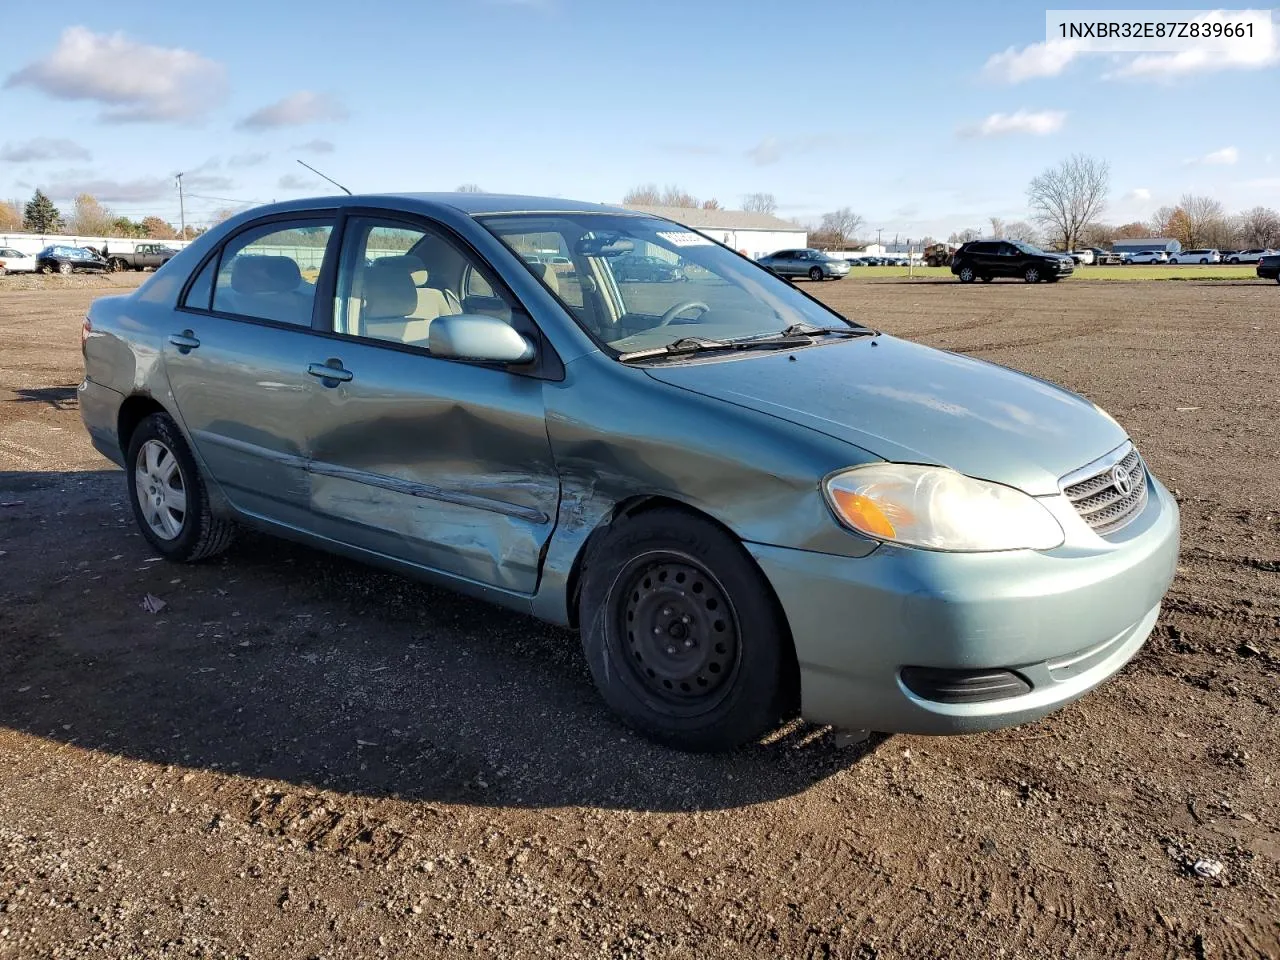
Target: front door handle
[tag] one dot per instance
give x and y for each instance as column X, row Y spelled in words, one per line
column 331, row 372
column 185, row 341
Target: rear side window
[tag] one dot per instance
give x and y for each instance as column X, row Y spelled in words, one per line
column 269, row 272
column 202, row 287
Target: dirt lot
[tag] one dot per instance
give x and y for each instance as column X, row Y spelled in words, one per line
column 298, row 757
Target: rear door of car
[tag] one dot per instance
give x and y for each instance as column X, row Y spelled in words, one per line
column 440, row 462
column 237, row 357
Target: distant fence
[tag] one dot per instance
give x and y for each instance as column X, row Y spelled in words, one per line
column 35, row 242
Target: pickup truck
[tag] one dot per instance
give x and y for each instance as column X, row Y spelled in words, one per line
column 140, row 257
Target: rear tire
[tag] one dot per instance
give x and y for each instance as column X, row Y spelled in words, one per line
column 1203, row 260
column 965, row 274
column 988, row 278
column 170, row 501
column 815, row 273
column 682, row 633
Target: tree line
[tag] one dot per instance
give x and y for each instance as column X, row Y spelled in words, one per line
column 87, row 217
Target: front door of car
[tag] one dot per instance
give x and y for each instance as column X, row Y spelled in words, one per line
column 236, row 356
column 439, row 462
column 1005, row 261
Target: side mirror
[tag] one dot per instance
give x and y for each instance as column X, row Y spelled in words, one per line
column 478, row 336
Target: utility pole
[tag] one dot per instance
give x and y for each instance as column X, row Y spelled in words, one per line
column 182, row 210
column 878, row 243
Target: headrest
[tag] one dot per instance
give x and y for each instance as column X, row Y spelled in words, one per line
column 416, row 268
column 549, row 275
column 261, row 274
column 389, row 292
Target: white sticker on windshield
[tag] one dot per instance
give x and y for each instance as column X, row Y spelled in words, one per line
column 685, row 238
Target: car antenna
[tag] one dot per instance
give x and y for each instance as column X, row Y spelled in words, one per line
column 330, row 179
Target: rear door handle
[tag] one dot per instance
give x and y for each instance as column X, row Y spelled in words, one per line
column 331, row 372
column 185, row 341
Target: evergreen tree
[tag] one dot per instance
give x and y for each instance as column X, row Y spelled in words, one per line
column 41, row 216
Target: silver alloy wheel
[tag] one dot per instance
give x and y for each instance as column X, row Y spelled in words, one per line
column 1033, row 275
column 966, row 274
column 160, row 489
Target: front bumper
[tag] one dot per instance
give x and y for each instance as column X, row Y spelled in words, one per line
column 1062, row 620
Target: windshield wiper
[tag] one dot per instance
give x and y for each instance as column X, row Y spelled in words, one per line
column 687, row 345
column 812, row 329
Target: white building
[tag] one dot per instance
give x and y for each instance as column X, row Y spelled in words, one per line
column 753, row 235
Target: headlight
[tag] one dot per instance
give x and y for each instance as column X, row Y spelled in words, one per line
column 939, row 509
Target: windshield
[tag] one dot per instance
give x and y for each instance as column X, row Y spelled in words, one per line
column 639, row 283
column 1028, row 248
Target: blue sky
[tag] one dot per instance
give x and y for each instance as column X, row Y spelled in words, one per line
column 924, row 118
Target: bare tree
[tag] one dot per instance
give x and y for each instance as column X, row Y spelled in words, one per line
column 964, row 236
column 760, row 203
column 647, row 194
column 10, row 216
column 1260, row 227
column 1022, row 232
column 90, row 217
column 1199, row 217
column 1099, row 235
column 1066, row 198
column 997, row 228
column 673, row 196
column 1160, row 224
column 712, row 204
column 469, row 188
column 842, row 224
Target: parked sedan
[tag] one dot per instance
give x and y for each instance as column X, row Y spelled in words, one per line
column 13, row 260
column 748, row 506
column 67, row 260
column 647, row 269
column 813, row 264
column 1269, row 267
column 1147, row 256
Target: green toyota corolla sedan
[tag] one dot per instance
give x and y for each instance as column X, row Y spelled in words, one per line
column 748, row 506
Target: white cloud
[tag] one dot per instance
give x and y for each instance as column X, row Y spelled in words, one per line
column 1225, row 157
column 134, row 81
column 1037, row 60
column 292, row 182
column 316, row 146
column 69, row 185
column 1039, row 123
column 43, row 148
column 1138, row 193
column 305, row 106
column 251, row 159
column 772, row 149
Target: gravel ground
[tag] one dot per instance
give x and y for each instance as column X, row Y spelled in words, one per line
column 300, row 757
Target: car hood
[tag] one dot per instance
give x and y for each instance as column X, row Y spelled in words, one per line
column 909, row 403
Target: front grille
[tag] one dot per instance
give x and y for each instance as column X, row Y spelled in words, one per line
column 1101, row 503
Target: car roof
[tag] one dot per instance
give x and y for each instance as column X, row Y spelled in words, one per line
column 473, row 204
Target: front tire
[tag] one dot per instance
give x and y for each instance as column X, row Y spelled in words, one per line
column 1234, row 260
column 65, row 269
column 1032, row 275
column 682, row 633
column 815, row 273
column 170, row 502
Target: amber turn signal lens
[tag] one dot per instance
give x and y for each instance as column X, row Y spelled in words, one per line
column 863, row 513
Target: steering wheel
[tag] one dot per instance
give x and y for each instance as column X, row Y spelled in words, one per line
column 680, row 308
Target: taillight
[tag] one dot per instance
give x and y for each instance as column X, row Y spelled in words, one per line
column 86, row 328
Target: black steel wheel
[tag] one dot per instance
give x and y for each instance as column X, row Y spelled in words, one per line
column 683, row 635
column 681, row 631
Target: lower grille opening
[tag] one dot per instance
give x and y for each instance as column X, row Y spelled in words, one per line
column 963, row 686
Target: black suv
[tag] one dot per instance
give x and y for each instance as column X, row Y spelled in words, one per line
column 987, row 259
column 1269, row 267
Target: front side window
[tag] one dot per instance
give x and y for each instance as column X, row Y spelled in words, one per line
column 269, row 272
column 641, row 283
column 394, row 280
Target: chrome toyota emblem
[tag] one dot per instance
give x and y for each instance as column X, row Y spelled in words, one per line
column 1120, row 479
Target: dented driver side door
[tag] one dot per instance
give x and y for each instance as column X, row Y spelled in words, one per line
column 438, row 462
